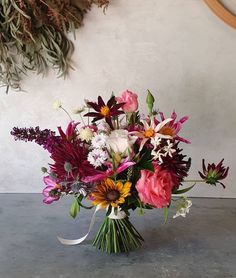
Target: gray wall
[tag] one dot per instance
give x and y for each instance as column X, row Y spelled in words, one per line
column 176, row 48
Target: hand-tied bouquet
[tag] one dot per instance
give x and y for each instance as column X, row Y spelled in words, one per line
column 119, row 161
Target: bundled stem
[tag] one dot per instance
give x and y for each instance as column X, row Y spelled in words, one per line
column 117, row 235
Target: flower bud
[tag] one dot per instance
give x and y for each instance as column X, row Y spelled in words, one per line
column 150, row 102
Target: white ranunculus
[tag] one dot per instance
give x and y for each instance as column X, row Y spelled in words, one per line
column 119, row 141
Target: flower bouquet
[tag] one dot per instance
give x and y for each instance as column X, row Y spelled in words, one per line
column 118, row 160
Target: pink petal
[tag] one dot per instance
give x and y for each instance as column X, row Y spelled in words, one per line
column 174, row 116
column 49, row 200
column 184, row 119
column 48, row 181
column 47, row 190
column 124, row 166
column 162, row 116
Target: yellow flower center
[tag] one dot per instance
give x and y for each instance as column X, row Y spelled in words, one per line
column 149, row 133
column 166, row 130
column 105, row 111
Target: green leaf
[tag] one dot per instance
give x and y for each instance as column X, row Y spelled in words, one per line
column 74, row 209
column 166, row 214
column 147, row 166
column 182, row 191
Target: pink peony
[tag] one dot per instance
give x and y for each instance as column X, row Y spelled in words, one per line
column 155, row 188
column 131, row 101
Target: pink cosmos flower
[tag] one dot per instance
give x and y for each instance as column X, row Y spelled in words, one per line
column 173, row 127
column 50, row 192
column 131, row 101
column 155, row 188
column 70, row 131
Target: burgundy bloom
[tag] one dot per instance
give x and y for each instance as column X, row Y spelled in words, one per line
column 212, row 174
column 105, row 111
column 74, row 155
column 177, row 165
column 70, row 131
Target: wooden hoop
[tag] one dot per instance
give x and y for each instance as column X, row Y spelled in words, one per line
column 222, row 12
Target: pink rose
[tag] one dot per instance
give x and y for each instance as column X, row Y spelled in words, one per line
column 155, row 188
column 130, row 99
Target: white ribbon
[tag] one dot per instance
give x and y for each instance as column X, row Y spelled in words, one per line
column 118, row 215
column 80, row 240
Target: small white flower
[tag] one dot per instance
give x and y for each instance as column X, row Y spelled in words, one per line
column 86, row 134
column 99, row 141
column 157, row 155
column 83, row 192
column 184, row 208
column 97, row 157
column 168, row 149
column 155, row 141
column 57, row 104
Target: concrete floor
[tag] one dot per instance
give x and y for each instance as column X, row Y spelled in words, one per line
column 201, row 245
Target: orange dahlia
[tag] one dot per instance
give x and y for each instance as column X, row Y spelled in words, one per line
column 109, row 192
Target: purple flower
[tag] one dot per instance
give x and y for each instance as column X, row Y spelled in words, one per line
column 45, row 138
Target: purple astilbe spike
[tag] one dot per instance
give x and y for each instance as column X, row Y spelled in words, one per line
column 45, row 138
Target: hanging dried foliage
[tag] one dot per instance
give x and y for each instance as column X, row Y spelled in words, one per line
column 33, row 36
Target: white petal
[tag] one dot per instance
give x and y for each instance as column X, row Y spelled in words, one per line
column 160, row 125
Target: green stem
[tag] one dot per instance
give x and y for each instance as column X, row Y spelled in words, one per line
column 66, row 113
column 192, row 181
column 117, row 235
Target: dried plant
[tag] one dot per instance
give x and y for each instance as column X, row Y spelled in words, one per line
column 33, row 36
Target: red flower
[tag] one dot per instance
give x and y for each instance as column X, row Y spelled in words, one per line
column 70, row 131
column 74, row 155
column 105, row 111
column 212, row 174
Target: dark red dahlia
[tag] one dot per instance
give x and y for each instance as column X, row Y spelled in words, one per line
column 212, row 174
column 70, row 161
column 105, row 111
column 177, row 165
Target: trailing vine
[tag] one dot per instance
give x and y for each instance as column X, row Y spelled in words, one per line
column 33, row 36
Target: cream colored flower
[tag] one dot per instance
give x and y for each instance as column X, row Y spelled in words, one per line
column 79, row 110
column 57, row 104
column 86, row 134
